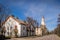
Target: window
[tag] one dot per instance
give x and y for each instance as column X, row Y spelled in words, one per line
column 8, row 33
column 23, row 34
column 23, row 28
column 11, row 28
column 8, row 28
column 8, row 23
column 4, row 29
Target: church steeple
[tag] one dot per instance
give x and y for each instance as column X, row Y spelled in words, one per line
column 43, row 26
column 43, row 21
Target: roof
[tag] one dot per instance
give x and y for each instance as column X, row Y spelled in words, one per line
column 19, row 21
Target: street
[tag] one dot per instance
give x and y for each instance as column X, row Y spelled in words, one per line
column 47, row 37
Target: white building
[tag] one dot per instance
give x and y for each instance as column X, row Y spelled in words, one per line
column 12, row 23
column 38, row 31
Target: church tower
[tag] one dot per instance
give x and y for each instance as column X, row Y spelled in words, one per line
column 43, row 26
column 43, row 21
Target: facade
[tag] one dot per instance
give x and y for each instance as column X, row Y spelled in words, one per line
column 14, row 27
column 38, row 31
column 30, row 30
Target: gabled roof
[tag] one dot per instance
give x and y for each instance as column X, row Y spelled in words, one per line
column 19, row 21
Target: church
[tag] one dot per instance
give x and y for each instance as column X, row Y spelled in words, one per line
column 41, row 30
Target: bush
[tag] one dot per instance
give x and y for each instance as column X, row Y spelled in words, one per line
column 8, row 37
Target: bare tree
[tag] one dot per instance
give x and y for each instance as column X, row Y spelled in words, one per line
column 33, row 23
column 4, row 12
column 57, row 30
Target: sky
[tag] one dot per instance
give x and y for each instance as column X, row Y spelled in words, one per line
column 35, row 9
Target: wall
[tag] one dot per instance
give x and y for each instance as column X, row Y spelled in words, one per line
column 23, row 30
column 12, row 23
column 38, row 31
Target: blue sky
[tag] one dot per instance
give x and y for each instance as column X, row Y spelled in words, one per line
column 35, row 9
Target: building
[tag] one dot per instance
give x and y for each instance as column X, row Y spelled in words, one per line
column 38, row 31
column 43, row 26
column 42, row 30
column 30, row 30
column 14, row 27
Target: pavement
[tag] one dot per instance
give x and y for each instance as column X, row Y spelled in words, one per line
column 47, row 37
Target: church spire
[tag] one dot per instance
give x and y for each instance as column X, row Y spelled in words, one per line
column 43, row 21
column 43, row 26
